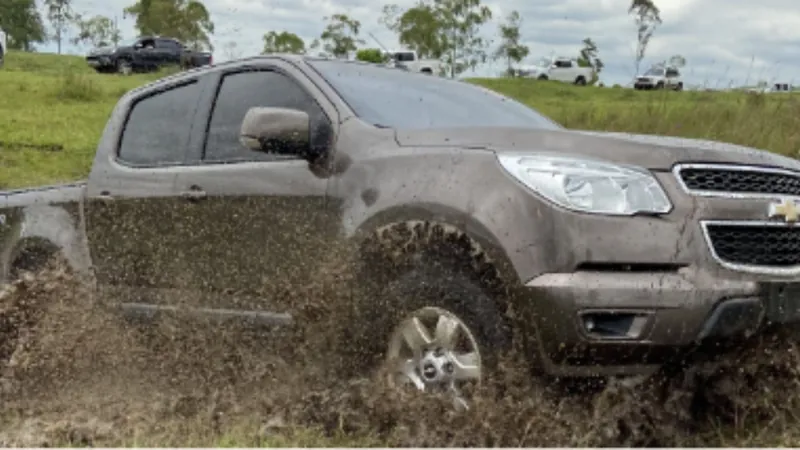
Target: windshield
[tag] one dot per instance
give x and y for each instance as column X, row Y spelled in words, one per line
column 544, row 62
column 128, row 42
column 396, row 99
column 655, row 72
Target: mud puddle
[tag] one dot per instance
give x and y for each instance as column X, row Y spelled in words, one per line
column 83, row 376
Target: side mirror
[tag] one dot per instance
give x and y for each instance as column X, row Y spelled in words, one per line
column 276, row 130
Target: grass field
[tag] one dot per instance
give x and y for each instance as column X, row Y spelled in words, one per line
column 54, row 109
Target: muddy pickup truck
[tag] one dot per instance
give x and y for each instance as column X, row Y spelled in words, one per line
column 472, row 218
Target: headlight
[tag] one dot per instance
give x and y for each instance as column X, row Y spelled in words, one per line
column 589, row 186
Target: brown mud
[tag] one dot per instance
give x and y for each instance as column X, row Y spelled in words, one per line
column 81, row 375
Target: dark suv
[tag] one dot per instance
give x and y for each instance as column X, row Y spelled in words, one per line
column 471, row 215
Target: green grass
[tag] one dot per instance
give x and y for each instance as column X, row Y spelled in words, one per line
column 60, row 103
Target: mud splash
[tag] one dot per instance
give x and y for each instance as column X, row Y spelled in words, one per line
column 83, row 376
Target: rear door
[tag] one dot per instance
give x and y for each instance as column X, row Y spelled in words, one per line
column 259, row 225
column 131, row 221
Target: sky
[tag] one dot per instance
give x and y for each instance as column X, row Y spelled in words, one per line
column 725, row 42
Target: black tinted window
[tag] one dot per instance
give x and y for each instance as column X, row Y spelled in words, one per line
column 158, row 127
column 398, row 99
column 167, row 43
column 241, row 91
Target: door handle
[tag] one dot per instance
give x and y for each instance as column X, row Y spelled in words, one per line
column 194, row 194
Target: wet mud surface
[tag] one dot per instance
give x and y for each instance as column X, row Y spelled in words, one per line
column 81, row 375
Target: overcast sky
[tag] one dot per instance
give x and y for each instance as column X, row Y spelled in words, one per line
column 723, row 41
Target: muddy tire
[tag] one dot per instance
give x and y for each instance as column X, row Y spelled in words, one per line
column 430, row 318
column 124, row 67
column 22, row 305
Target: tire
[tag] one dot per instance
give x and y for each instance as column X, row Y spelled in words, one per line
column 580, row 81
column 432, row 292
column 660, row 85
column 124, row 67
column 542, row 78
column 679, row 87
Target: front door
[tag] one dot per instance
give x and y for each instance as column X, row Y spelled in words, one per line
column 132, row 197
column 260, row 224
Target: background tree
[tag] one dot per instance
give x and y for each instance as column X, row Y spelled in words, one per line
column 677, row 61
column 187, row 20
column 511, row 49
column 231, row 50
column 60, row 16
column 417, row 28
column 372, row 55
column 98, row 31
column 647, row 17
column 340, row 36
column 22, row 23
column 588, row 58
column 283, row 42
column 442, row 29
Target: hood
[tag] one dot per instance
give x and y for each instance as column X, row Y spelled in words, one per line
column 647, row 151
column 107, row 50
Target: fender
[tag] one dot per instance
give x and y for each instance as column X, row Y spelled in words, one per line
column 484, row 243
column 43, row 226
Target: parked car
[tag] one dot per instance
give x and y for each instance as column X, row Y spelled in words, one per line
column 408, row 60
column 562, row 69
column 659, row 77
column 3, row 47
column 618, row 253
column 145, row 54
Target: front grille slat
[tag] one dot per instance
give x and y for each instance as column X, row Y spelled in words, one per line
column 740, row 181
column 755, row 245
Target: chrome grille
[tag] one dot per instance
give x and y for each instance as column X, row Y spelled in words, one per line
column 730, row 180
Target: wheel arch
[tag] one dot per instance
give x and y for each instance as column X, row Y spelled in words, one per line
column 421, row 227
column 42, row 232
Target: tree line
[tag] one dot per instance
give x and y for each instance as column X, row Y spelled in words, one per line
column 187, row 20
column 444, row 30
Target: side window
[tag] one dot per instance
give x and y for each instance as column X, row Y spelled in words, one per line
column 672, row 73
column 166, row 43
column 238, row 92
column 158, row 127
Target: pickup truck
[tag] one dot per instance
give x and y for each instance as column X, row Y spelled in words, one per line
column 659, row 77
column 408, row 60
column 146, row 54
column 566, row 70
column 464, row 217
column 3, row 47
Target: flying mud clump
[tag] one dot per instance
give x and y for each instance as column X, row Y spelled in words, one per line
column 75, row 374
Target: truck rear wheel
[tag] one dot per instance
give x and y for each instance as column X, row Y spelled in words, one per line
column 580, row 81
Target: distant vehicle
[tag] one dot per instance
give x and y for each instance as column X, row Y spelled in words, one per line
column 562, row 69
column 3, row 47
column 660, row 77
column 408, row 59
column 146, row 54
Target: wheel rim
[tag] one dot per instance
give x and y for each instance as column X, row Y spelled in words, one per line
column 433, row 350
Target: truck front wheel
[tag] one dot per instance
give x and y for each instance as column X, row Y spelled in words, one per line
column 432, row 329
column 580, row 81
column 542, row 77
column 124, row 67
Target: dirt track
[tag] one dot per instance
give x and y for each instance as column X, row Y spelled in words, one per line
column 86, row 377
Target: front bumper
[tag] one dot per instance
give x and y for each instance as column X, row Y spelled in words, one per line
column 621, row 323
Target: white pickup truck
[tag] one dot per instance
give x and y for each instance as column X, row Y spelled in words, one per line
column 561, row 69
column 3, row 47
column 408, row 59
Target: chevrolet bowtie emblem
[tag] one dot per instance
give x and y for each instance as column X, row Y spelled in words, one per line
column 786, row 209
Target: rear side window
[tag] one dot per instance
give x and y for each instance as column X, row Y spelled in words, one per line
column 158, row 127
column 241, row 91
